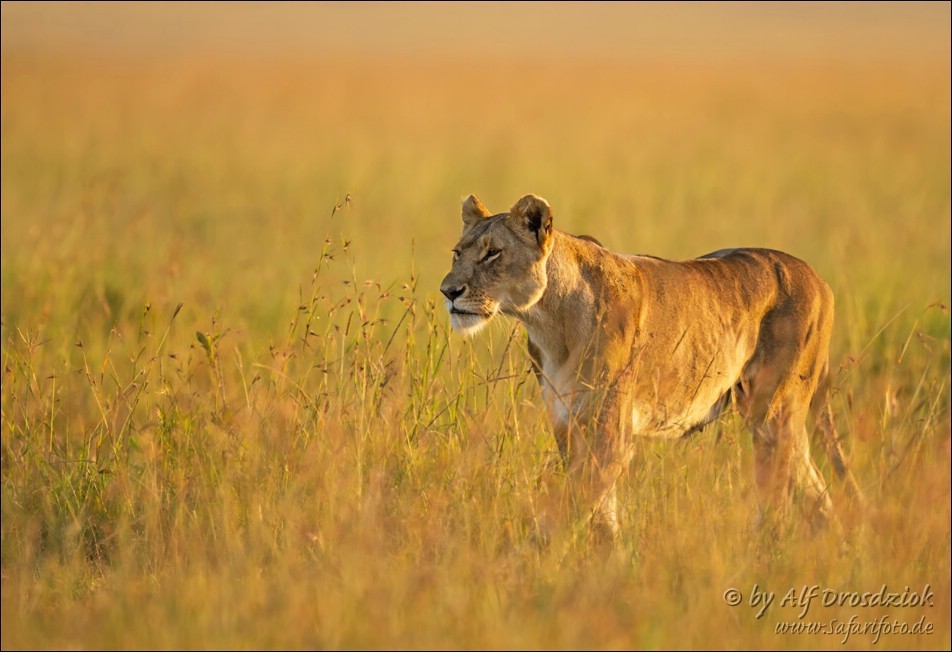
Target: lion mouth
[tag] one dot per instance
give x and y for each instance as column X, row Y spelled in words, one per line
column 468, row 322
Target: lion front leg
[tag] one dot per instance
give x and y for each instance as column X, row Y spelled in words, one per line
column 604, row 504
column 596, row 459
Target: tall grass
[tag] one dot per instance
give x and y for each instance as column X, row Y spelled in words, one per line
column 233, row 415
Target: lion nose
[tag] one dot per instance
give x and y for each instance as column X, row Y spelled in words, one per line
column 452, row 293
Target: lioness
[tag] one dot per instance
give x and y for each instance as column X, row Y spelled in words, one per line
column 631, row 346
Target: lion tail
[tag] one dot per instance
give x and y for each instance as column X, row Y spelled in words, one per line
column 831, row 440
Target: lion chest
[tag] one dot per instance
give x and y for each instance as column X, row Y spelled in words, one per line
column 560, row 392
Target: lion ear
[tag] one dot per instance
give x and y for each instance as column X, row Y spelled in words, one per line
column 536, row 215
column 473, row 211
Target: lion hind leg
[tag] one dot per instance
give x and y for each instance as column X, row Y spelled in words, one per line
column 777, row 392
column 757, row 400
column 783, row 468
column 773, row 471
column 810, row 483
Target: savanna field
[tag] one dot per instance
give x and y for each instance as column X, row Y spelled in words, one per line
column 234, row 415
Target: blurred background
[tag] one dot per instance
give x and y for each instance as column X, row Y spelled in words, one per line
column 685, row 31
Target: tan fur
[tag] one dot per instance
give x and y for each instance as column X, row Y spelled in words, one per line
column 631, row 346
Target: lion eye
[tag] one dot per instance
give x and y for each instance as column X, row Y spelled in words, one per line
column 490, row 256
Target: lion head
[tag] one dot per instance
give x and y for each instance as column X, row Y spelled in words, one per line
column 498, row 263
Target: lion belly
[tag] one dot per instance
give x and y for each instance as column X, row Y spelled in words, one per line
column 655, row 411
column 659, row 408
column 657, row 421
